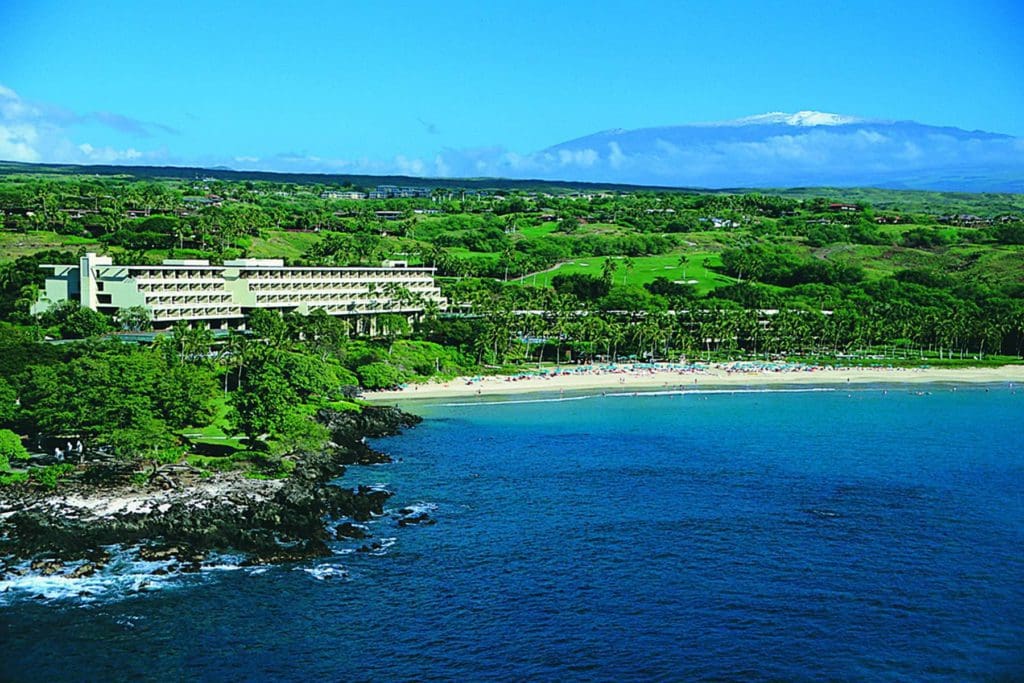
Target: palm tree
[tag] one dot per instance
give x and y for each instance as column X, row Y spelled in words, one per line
column 564, row 308
column 608, row 269
column 628, row 265
column 616, row 335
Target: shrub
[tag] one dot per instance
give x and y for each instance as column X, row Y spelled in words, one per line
column 10, row 448
column 379, row 376
column 13, row 478
column 212, row 463
column 48, row 476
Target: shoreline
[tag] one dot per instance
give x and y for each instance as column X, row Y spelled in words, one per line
column 647, row 377
column 186, row 523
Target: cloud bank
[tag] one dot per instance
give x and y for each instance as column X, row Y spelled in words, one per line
column 771, row 150
column 860, row 153
column 761, row 154
column 39, row 132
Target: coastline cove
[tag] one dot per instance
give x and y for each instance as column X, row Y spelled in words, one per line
column 857, row 533
column 94, row 531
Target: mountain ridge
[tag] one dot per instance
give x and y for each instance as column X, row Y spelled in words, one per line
column 803, row 148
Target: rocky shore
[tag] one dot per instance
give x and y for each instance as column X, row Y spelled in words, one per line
column 274, row 520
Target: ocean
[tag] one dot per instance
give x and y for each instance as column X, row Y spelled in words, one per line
column 867, row 534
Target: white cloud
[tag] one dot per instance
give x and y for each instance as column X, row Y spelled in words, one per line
column 13, row 108
column 615, row 156
column 580, row 157
column 17, row 142
column 108, row 155
column 441, row 167
column 407, row 166
column 32, row 132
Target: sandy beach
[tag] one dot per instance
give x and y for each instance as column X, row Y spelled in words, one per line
column 646, row 377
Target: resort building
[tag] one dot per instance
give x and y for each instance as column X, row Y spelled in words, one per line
column 396, row 192
column 222, row 296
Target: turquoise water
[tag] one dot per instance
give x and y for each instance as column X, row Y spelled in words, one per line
column 856, row 535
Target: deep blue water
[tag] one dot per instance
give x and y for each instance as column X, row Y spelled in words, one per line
column 856, row 535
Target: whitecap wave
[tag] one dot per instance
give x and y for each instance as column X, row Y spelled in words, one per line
column 684, row 392
column 123, row 576
column 325, row 572
column 385, row 544
column 618, row 393
column 412, row 509
column 519, row 401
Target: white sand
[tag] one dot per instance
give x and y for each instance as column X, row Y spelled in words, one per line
column 583, row 378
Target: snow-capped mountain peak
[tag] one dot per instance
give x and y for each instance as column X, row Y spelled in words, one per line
column 801, row 119
column 780, row 149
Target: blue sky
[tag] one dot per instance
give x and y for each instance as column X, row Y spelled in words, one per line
column 412, row 87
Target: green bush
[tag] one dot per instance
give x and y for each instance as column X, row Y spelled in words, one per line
column 169, row 456
column 344, row 406
column 427, row 359
column 13, row 478
column 283, row 469
column 47, row 477
column 205, row 462
column 379, row 376
column 8, row 401
column 10, row 448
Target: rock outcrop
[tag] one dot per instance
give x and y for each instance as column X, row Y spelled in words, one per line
column 268, row 520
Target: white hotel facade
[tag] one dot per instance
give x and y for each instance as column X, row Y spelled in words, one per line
column 221, row 296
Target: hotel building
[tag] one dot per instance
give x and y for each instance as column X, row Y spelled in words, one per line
column 221, row 296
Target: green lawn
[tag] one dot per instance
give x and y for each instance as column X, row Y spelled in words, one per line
column 602, row 229
column 218, row 432
column 532, row 231
column 646, row 269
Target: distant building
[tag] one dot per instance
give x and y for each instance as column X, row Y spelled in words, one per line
column 396, row 192
column 342, row 194
column 222, row 296
column 967, row 220
column 79, row 213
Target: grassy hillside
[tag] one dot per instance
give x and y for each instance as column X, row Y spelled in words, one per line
column 682, row 243
column 15, row 245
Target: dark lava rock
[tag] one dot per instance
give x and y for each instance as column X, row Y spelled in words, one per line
column 372, row 421
column 281, row 555
column 423, row 518
column 369, row 548
column 350, row 530
column 84, row 571
column 270, row 523
column 158, row 554
column 47, row 567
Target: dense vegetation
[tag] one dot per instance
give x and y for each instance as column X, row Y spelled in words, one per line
column 844, row 276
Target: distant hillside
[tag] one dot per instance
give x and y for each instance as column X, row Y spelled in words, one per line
column 368, row 181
